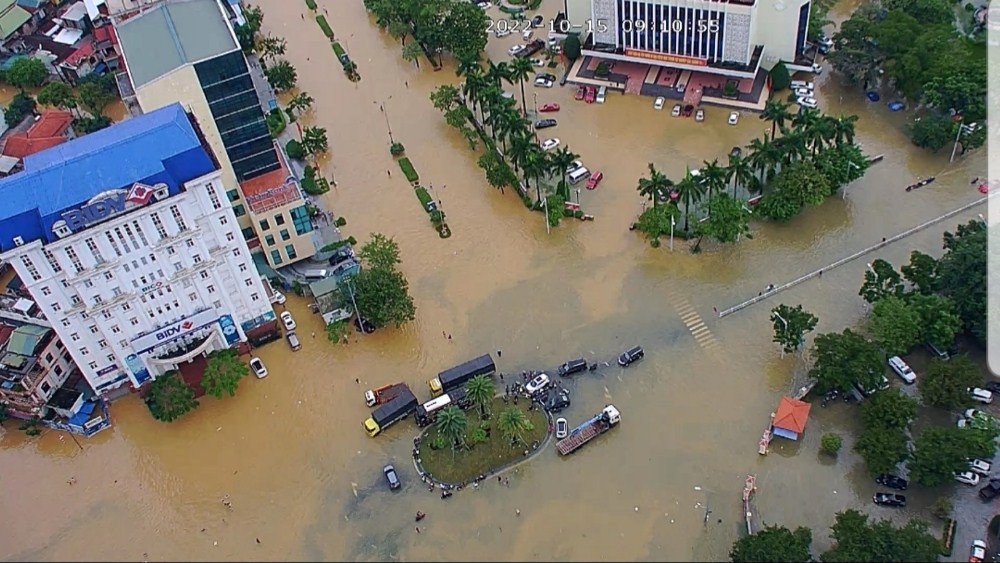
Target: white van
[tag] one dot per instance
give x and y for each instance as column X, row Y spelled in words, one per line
column 601, row 93
column 802, row 85
column 902, row 369
column 315, row 275
column 526, row 35
column 981, row 395
column 578, row 175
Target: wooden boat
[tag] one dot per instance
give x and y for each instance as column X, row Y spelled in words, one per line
column 920, row 184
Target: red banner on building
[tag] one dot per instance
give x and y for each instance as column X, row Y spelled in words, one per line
column 663, row 57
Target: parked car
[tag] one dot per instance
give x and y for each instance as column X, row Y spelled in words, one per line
column 889, row 499
column 993, row 386
column 562, row 428
column 258, row 367
column 363, row 325
column 699, row 115
column 602, row 94
column 688, row 109
column 937, row 352
column 573, row 366
column 287, row 320
column 549, row 144
column 558, row 402
column 975, row 413
column 803, row 93
column 485, row 5
column 545, row 123
column 513, row 51
column 581, row 91
column 594, row 180
column 977, row 552
column 539, row 382
column 545, row 108
column 343, row 253
column 902, row 369
column 277, row 297
column 991, row 491
column 892, row 481
column 346, row 266
column 962, row 422
column 591, row 95
column 676, row 111
column 536, row 21
column 543, row 82
column 526, row 34
column 574, row 166
column 807, row 102
column 501, row 32
column 968, row 478
column 980, row 466
column 293, row 341
column 658, row 103
column 630, row 356
column 547, row 76
column 390, row 476
column 537, row 62
column 734, row 117
column 981, row 395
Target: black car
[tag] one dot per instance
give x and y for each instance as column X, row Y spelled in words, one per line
column 631, row 356
column 341, row 254
column 989, row 492
column 889, row 499
column 545, row 123
column 573, row 366
column 892, row 481
column 992, row 386
column 537, row 20
column 390, row 476
column 558, row 402
column 362, row 325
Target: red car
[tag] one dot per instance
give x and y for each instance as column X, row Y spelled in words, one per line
column 548, row 107
column 686, row 112
column 579, row 92
column 591, row 95
column 594, row 179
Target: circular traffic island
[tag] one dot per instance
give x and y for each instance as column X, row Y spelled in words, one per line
column 509, row 434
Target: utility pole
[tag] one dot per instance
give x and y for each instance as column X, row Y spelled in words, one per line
column 545, row 204
column 385, row 113
column 962, row 130
column 672, row 223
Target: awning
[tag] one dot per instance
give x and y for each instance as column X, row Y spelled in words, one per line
column 80, row 418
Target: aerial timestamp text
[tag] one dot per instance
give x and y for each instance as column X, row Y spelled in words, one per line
column 565, row 26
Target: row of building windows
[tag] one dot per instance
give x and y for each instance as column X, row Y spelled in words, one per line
column 289, row 250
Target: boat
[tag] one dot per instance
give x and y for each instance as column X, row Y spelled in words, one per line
column 920, row 184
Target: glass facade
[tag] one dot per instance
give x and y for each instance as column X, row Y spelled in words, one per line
column 300, row 218
column 800, row 38
column 676, row 30
column 227, row 85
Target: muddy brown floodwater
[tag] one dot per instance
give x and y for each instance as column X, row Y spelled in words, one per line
column 305, row 480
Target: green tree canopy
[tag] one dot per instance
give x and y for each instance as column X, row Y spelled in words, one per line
column 773, row 544
column 938, row 322
column 889, row 408
column 858, row 539
column 281, row 75
column 480, row 390
column 882, row 448
column 380, row 290
column 945, row 384
column 844, row 358
column 895, row 325
column 572, row 47
column 938, row 453
column 655, row 222
column 883, row 282
column 169, row 397
column 452, row 424
column 380, row 252
column 962, row 275
column 790, row 326
column 728, row 220
column 513, row 424
column 921, row 272
column 464, row 27
column 223, row 373
column 780, row 79
column 96, row 93
column 57, row 95
column 26, row 72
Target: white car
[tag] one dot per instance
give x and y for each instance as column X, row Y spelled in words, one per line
column 803, row 93
column 978, row 551
column 981, row 395
column 902, row 369
column 575, row 165
column 501, row 32
column 485, row 5
column 980, row 466
column 278, row 298
column 549, row 144
column 808, row 102
column 562, row 428
column 967, row 477
column 543, row 82
column 734, row 117
column 973, row 413
column 288, row 321
column 540, row 381
column 515, row 50
column 658, row 103
column 258, row 367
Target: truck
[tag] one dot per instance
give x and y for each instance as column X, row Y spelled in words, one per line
column 452, row 378
column 383, row 394
column 390, row 413
column 608, row 418
column 427, row 412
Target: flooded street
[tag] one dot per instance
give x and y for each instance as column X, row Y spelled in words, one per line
column 305, row 479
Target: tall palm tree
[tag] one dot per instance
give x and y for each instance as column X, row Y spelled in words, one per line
column 775, row 111
column 520, row 145
column 497, row 72
column 452, row 424
column 559, row 163
column 810, row 122
column 504, row 121
column 656, row 183
column 535, row 164
column 713, row 176
column 513, row 424
column 520, row 70
column 474, row 86
column 480, row 390
column 843, row 128
column 689, row 190
column 764, row 156
column 466, row 67
column 740, row 173
column 793, row 145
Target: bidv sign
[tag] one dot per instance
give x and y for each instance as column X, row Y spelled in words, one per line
column 107, row 205
column 176, row 330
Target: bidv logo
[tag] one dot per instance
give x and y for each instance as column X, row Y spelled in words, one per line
column 174, row 330
column 106, row 206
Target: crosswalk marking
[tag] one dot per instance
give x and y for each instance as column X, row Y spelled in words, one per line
column 693, row 321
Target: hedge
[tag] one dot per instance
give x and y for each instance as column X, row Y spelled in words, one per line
column 424, row 197
column 341, row 54
column 311, row 4
column 948, row 538
column 407, row 167
column 327, row 30
column 295, row 150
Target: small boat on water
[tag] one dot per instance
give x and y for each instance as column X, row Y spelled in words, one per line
column 920, row 184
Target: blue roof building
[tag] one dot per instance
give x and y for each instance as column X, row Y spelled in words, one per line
column 160, row 147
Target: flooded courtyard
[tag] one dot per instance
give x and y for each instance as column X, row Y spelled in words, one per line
column 304, row 478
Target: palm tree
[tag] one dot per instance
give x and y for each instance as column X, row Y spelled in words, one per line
column 763, row 157
column 451, row 424
column 559, row 163
column 535, row 163
column 496, row 72
column 810, row 122
column 656, row 183
column 775, row 111
column 474, row 86
column 513, row 424
column 300, row 102
column 412, row 52
column 843, row 128
column 740, row 173
column 713, row 176
column 480, row 391
column 504, row 121
column 792, row 145
column 467, row 67
column 689, row 190
column 520, row 70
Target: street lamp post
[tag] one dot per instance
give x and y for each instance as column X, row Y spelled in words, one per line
column 849, row 166
column 672, row 223
column 534, row 96
column 578, row 196
column 784, row 322
column 355, row 303
column 545, row 205
column 385, row 113
column 872, row 270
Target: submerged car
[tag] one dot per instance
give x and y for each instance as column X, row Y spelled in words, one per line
column 288, row 321
column 676, row 111
column 699, row 115
column 734, row 117
column 573, row 366
column 515, row 50
column 889, row 499
column 390, row 476
column 558, row 402
column 658, row 103
column 892, row 481
column 545, row 123
column 581, row 91
column 549, row 144
column 540, row 381
column 630, row 356
column 967, row 478
column 543, row 82
column 544, row 108
column 594, row 180
column 258, row 367
column 363, row 325
column 278, row 298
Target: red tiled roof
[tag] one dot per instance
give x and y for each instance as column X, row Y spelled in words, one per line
column 263, row 183
column 81, row 53
column 792, row 414
column 46, row 132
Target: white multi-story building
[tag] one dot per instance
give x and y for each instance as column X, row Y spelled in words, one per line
column 126, row 241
